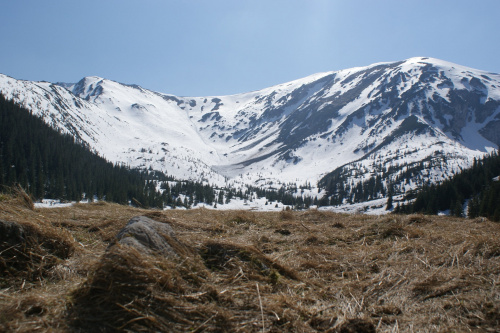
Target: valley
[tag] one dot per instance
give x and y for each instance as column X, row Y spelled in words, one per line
column 403, row 124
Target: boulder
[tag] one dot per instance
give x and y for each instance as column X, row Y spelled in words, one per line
column 148, row 235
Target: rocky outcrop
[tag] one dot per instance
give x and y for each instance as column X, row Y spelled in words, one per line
column 491, row 132
column 150, row 236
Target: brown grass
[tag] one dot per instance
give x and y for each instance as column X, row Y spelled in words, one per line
column 310, row 271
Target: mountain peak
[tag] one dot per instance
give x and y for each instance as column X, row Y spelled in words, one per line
column 421, row 118
column 87, row 87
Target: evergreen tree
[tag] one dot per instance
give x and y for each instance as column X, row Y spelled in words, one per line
column 473, row 207
column 479, row 184
column 389, row 198
column 458, row 209
column 48, row 163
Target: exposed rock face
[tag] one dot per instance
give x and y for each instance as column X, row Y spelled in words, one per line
column 148, row 235
column 491, row 131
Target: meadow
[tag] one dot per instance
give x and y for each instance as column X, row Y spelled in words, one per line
column 245, row 271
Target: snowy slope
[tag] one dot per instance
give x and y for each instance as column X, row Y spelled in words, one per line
column 353, row 121
column 125, row 124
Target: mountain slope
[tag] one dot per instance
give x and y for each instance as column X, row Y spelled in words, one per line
column 478, row 187
column 48, row 164
column 424, row 115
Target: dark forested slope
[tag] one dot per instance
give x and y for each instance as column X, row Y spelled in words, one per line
column 479, row 185
column 50, row 164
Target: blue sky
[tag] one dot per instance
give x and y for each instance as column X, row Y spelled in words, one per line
column 221, row 47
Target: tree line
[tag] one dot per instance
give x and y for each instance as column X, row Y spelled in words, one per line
column 478, row 187
column 50, row 164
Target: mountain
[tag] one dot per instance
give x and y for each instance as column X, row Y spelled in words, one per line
column 359, row 133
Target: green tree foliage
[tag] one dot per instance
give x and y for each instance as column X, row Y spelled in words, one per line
column 389, row 198
column 478, row 184
column 50, row 164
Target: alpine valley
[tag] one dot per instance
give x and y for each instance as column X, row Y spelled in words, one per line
column 350, row 136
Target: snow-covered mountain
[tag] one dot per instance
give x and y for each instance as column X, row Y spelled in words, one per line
column 402, row 123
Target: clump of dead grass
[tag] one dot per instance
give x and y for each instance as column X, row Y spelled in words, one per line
column 248, row 259
column 22, row 196
column 31, row 311
column 242, row 217
column 286, row 215
column 33, row 249
column 32, row 253
column 4, row 197
column 418, row 219
column 16, row 195
column 356, row 325
column 315, row 215
column 134, row 291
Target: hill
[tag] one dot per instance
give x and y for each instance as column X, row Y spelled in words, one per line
column 51, row 164
column 243, row 271
column 477, row 188
column 398, row 125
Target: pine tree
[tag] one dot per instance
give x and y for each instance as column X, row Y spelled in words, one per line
column 458, row 209
column 389, row 197
column 473, row 208
column 475, row 184
column 221, row 197
column 46, row 162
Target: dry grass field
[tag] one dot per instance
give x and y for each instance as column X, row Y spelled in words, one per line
column 242, row 271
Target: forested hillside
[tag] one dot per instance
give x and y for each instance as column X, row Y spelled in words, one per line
column 479, row 186
column 356, row 135
column 50, row 164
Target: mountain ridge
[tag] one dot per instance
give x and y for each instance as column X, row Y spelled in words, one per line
column 394, row 114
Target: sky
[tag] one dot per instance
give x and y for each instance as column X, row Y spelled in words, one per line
column 223, row 47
